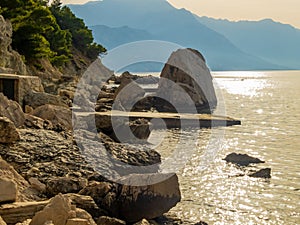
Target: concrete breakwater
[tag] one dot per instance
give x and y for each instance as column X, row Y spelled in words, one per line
column 171, row 120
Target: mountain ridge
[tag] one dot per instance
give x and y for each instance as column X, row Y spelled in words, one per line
column 277, row 42
column 164, row 22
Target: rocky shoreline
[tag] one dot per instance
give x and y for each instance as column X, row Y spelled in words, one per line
column 46, row 177
column 51, row 168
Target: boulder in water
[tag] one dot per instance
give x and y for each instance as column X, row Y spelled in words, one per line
column 186, row 83
column 242, row 159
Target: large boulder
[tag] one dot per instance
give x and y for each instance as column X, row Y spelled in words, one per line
column 59, row 116
column 148, row 201
column 10, row 60
column 12, row 110
column 186, row 83
column 8, row 131
column 156, row 195
column 36, row 99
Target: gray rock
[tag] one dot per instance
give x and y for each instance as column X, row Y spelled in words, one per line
column 242, row 159
column 263, row 173
column 8, row 131
column 8, row 190
column 186, row 83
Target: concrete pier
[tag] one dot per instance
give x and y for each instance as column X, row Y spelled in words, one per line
column 171, row 120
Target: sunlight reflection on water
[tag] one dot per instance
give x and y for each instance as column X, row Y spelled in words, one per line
column 268, row 104
column 241, row 83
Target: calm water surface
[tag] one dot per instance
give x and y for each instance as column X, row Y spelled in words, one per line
column 268, row 104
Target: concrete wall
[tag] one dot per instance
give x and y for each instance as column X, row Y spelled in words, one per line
column 24, row 85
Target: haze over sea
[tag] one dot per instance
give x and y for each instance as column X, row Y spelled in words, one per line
column 268, row 105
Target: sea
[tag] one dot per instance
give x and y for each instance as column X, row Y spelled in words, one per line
column 268, row 105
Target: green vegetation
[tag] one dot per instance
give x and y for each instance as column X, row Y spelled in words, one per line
column 48, row 31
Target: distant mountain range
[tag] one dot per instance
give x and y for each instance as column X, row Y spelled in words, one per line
column 275, row 42
column 262, row 45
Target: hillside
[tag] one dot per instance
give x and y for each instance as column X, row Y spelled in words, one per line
column 276, row 42
column 113, row 37
column 164, row 22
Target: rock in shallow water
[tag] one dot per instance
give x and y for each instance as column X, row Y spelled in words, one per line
column 186, row 83
column 242, row 159
column 263, row 173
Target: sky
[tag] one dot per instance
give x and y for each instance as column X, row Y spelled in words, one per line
column 284, row 11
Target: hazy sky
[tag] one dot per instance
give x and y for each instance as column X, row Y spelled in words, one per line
column 285, row 11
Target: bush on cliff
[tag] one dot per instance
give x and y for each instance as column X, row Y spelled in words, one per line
column 48, row 31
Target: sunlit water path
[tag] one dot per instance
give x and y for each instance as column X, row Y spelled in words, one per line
column 268, row 103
